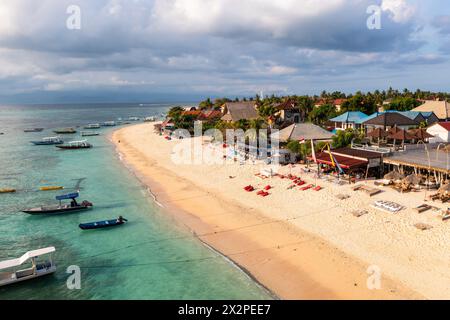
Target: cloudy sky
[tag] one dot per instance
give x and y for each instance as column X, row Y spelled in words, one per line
column 185, row 49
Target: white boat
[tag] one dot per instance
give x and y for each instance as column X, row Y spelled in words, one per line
column 133, row 119
column 150, row 119
column 93, row 126
column 109, row 124
column 82, row 144
column 89, row 133
column 27, row 267
column 48, row 141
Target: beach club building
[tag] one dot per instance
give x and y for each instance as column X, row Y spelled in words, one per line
column 440, row 131
column 242, row 110
column 351, row 160
column 388, row 120
column 349, row 120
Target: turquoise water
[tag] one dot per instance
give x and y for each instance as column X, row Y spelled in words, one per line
column 151, row 257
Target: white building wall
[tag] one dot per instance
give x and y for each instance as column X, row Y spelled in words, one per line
column 440, row 134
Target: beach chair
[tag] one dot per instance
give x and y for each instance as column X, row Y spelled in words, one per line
column 318, row 188
column 268, row 187
column 307, row 187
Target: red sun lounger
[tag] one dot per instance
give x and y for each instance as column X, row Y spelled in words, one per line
column 307, row 187
column 318, row 188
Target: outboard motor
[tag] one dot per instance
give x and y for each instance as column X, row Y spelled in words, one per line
column 86, row 203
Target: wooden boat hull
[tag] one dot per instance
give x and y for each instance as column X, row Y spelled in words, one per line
column 73, row 147
column 42, row 143
column 51, row 188
column 7, row 190
column 34, row 130
column 40, row 211
column 101, row 224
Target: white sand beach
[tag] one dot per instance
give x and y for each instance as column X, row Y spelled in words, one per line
column 299, row 244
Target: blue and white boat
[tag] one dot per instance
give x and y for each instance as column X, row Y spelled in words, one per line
column 48, row 141
column 29, row 266
column 92, row 126
column 103, row 224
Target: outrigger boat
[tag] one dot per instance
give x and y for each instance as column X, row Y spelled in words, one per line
column 103, row 224
column 150, row 119
column 48, row 141
column 93, row 126
column 34, row 130
column 89, row 133
column 62, row 208
column 37, row 269
column 65, row 131
column 72, row 145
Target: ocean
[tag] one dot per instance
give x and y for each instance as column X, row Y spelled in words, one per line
column 151, row 257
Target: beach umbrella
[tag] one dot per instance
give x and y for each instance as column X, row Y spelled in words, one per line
column 444, row 189
column 420, row 134
column 401, row 135
column 394, row 176
column 377, row 133
column 394, row 130
column 412, row 179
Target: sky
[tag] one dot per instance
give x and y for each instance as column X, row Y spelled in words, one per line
column 184, row 50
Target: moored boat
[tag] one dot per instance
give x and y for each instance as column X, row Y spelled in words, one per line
column 103, row 224
column 109, row 124
column 73, row 145
column 65, row 131
column 48, row 141
column 74, row 206
column 7, row 190
column 89, row 133
column 92, row 126
column 16, row 270
column 150, row 119
column 51, row 188
column 34, row 130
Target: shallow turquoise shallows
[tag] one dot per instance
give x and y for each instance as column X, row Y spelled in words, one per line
column 151, row 257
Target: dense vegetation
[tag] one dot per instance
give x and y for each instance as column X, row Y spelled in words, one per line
column 317, row 109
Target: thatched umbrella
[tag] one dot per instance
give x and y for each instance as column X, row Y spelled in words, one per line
column 394, row 176
column 444, row 189
column 401, row 135
column 394, row 130
column 412, row 179
column 378, row 133
column 420, row 134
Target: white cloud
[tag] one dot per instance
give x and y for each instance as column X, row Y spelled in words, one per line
column 401, row 11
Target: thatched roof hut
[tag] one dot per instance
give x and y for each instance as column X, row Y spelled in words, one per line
column 394, row 176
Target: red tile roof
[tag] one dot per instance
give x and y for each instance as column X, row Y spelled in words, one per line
column 445, row 125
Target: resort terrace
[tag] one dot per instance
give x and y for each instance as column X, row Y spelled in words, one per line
column 418, row 158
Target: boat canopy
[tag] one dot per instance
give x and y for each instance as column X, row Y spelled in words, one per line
column 68, row 196
column 30, row 254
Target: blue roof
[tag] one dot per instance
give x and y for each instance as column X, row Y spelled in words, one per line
column 410, row 114
column 351, row 116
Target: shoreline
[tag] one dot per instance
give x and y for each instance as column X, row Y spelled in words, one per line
column 166, row 210
column 240, row 232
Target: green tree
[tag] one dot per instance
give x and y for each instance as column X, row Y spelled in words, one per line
column 321, row 114
column 206, row 104
column 402, row 104
column 344, row 138
column 359, row 102
column 175, row 112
